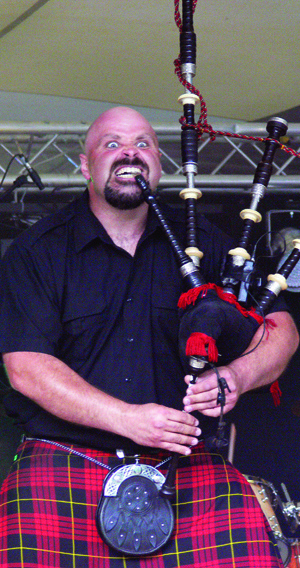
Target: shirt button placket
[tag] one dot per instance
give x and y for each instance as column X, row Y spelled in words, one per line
column 129, row 339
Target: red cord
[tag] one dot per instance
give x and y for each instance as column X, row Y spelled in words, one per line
column 202, row 125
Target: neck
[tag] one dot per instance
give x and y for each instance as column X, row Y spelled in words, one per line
column 125, row 227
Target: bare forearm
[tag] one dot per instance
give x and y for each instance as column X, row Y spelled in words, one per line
column 63, row 393
column 270, row 356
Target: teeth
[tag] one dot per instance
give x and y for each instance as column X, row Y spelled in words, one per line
column 128, row 171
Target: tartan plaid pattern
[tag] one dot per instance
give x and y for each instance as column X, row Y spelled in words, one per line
column 49, row 500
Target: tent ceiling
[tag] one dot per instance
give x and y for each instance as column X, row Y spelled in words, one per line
column 122, row 52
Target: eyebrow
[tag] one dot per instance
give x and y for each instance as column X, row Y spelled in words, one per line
column 117, row 137
column 110, row 135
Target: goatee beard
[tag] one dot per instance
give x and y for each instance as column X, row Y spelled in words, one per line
column 124, row 200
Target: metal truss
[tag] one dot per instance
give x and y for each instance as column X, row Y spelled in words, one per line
column 226, row 165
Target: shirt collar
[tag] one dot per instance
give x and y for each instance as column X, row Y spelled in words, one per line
column 88, row 227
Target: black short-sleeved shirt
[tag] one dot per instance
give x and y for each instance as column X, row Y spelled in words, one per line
column 67, row 290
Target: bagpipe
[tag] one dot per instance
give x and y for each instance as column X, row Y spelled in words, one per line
column 213, row 322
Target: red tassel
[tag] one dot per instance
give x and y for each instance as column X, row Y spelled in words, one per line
column 276, row 393
column 271, row 324
column 201, row 345
column 190, row 297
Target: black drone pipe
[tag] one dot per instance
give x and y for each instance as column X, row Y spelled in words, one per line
column 236, row 258
column 189, row 135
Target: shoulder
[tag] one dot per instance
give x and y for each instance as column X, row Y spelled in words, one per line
column 47, row 225
column 55, row 229
column 41, row 250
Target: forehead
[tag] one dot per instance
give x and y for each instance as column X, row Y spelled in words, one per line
column 121, row 126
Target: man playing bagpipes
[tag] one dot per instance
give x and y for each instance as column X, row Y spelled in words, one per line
column 89, row 337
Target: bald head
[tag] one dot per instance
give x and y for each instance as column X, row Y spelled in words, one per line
column 119, row 145
column 116, row 116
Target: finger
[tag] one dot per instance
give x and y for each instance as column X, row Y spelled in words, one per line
column 215, row 412
column 184, row 429
column 187, row 379
column 212, row 408
column 179, row 444
column 177, row 448
column 200, row 407
column 181, row 417
column 200, row 398
column 203, row 388
column 210, row 394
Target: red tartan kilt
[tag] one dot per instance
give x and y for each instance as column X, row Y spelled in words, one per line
column 49, row 501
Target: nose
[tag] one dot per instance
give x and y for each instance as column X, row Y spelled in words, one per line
column 130, row 151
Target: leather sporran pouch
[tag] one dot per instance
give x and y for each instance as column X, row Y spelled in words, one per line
column 132, row 517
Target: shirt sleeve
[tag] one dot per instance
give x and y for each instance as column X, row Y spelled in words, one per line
column 29, row 314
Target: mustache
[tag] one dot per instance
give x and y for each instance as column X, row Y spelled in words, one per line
column 136, row 161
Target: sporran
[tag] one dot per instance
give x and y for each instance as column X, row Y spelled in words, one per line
column 132, row 517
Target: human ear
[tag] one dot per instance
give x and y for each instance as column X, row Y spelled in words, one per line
column 85, row 167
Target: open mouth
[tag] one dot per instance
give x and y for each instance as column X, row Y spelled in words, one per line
column 128, row 172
